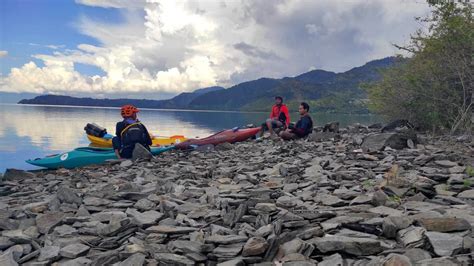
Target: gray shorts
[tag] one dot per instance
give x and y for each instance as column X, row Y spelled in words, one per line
column 275, row 124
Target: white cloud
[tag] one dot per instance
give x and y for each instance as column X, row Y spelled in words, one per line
column 183, row 45
column 3, row 53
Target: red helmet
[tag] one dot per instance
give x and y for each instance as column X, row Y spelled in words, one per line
column 128, row 110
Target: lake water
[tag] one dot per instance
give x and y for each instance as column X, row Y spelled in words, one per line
column 30, row 131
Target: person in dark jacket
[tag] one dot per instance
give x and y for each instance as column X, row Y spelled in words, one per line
column 279, row 117
column 303, row 127
column 129, row 132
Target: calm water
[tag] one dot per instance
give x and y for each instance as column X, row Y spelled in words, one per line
column 36, row 131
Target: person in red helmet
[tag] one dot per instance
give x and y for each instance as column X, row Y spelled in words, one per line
column 130, row 132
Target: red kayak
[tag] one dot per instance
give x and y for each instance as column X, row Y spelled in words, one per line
column 229, row 135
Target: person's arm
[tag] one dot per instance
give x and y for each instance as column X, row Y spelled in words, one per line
column 272, row 113
column 147, row 136
column 284, row 109
column 117, row 140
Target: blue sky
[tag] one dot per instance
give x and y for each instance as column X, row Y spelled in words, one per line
column 29, row 26
column 159, row 48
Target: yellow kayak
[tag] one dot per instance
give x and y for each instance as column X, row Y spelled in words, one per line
column 106, row 140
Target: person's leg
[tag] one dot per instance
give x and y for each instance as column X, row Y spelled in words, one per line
column 262, row 130
column 270, row 126
column 287, row 135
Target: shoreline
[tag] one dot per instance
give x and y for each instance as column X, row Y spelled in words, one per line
column 334, row 199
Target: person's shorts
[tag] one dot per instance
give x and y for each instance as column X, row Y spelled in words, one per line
column 275, row 124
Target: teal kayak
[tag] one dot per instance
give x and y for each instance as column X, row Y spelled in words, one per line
column 83, row 156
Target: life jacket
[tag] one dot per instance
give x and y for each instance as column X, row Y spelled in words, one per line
column 132, row 134
column 281, row 113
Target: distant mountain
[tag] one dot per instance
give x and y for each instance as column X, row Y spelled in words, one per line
column 327, row 91
column 323, row 90
column 178, row 102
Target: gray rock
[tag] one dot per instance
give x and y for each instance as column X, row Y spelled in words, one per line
column 228, row 251
column 136, row 259
column 467, row 194
column 17, row 175
column 173, row 259
column 386, row 211
column 228, row 239
column 82, row 261
column 266, row 207
column 445, row 244
column 412, row 237
column 74, row 250
column 391, row 225
column 255, row 246
column 417, row 254
column 5, row 243
column 46, row 222
column 397, row 260
column 126, row 163
column 378, row 141
column 6, row 259
column 445, row 224
column 333, row 260
column 49, row 253
column 439, row 262
column 144, row 205
column 351, row 245
column 140, row 152
column 234, row 262
column 164, row 229
column 67, row 195
column 146, row 218
column 446, row 163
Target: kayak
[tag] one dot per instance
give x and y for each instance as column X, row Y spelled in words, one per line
column 229, row 135
column 106, row 140
column 83, row 156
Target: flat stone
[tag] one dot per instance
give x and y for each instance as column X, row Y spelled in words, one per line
column 467, row 194
column 145, row 218
column 234, row 262
column 74, row 250
column 446, row 163
column 266, row 207
column 445, row 224
column 49, row 253
column 94, row 201
column 350, row 245
column 254, row 246
column 17, row 175
column 439, row 262
column 46, row 222
column 411, row 237
column 106, row 216
column 67, row 195
column 6, row 259
column 386, row 211
column 397, row 260
column 173, row 259
column 136, row 259
column 445, row 244
column 417, row 254
column 145, row 205
column 228, row 251
column 227, row 239
column 5, row 243
column 333, row 260
column 82, row 261
column 164, row 229
column 126, row 163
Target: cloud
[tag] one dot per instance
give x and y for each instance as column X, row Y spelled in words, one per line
column 113, row 3
column 50, row 46
column 176, row 46
column 3, row 53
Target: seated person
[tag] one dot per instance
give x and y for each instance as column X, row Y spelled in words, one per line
column 303, row 127
column 129, row 132
column 279, row 117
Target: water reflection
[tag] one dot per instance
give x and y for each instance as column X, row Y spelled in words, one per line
column 35, row 131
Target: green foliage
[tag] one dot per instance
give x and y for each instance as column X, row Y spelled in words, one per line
column 434, row 88
column 470, row 170
column 466, row 183
column 368, row 184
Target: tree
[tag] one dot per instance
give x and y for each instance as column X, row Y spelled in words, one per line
column 434, row 87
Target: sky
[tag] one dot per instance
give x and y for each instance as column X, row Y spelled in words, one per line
column 159, row 48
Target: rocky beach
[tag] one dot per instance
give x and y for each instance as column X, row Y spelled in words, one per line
column 351, row 197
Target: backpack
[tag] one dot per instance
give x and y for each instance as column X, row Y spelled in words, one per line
column 133, row 133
